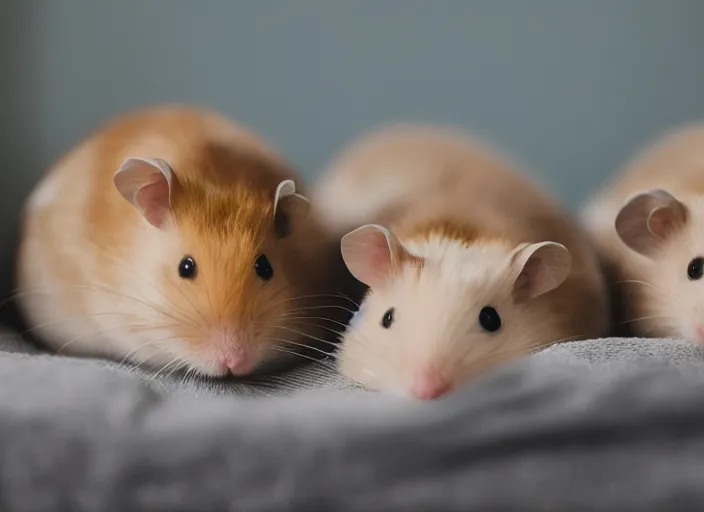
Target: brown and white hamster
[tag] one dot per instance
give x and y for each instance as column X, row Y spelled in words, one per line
column 647, row 223
column 468, row 264
column 176, row 238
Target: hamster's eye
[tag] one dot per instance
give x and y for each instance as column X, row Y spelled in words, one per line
column 387, row 319
column 695, row 269
column 489, row 319
column 263, row 268
column 187, row 268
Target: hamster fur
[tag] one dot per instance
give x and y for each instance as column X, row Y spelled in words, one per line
column 104, row 268
column 449, row 230
column 646, row 223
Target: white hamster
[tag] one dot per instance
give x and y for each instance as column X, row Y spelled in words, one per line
column 468, row 264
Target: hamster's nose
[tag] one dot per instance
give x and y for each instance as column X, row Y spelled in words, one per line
column 700, row 334
column 238, row 362
column 234, row 356
column 429, row 386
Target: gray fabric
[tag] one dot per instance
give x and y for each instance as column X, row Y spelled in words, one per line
column 313, row 375
column 602, row 425
column 322, row 374
column 605, row 351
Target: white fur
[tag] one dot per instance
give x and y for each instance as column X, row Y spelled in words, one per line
column 599, row 216
column 45, row 193
column 664, row 301
column 436, row 327
column 57, row 321
column 48, row 189
column 338, row 197
column 453, row 258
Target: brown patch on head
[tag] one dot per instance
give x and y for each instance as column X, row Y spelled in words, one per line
column 231, row 190
column 446, row 228
column 406, row 259
column 225, row 212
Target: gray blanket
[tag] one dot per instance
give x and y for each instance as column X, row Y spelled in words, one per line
column 602, row 425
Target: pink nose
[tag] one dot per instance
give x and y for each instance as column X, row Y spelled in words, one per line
column 700, row 333
column 430, row 386
column 234, row 355
column 238, row 362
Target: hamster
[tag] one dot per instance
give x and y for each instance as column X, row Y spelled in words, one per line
column 467, row 263
column 175, row 238
column 646, row 223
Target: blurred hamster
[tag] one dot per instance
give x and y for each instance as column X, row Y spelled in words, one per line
column 646, row 223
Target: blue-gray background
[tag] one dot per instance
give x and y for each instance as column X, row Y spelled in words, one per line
column 570, row 87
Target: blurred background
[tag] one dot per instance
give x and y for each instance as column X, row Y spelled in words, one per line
column 569, row 87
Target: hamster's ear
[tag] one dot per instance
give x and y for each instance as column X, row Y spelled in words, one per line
column 648, row 219
column 370, row 253
column 289, row 208
column 146, row 183
column 538, row 268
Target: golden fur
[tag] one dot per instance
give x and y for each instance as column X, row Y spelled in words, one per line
column 88, row 255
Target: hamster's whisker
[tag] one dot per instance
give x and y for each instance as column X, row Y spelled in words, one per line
column 140, row 275
column 262, row 318
column 72, row 317
column 23, row 292
column 174, row 361
column 636, row 281
column 129, row 354
column 363, row 342
column 141, row 345
column 360, row 362
column 49, row 290
column 497, row 355
column 672, row 299
column 318, row 361
column 274, row 303
column 185, row 296
column 643, row 318
column 345, row 297
column 177, row 368
column 336, row 322
column 313, row 325
column 93, row 333
column 271, row 306
column 370, row 373
column 331, row 306
column 134, row 366
column 322, row 296
column 189, row 374
column 358, row 339
column 574, row 337
column 173, row 366
column 185, row 376
column 150, row 304
column 308, row 347
column 208, row 298
column 305, row 335
column 335, row 344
